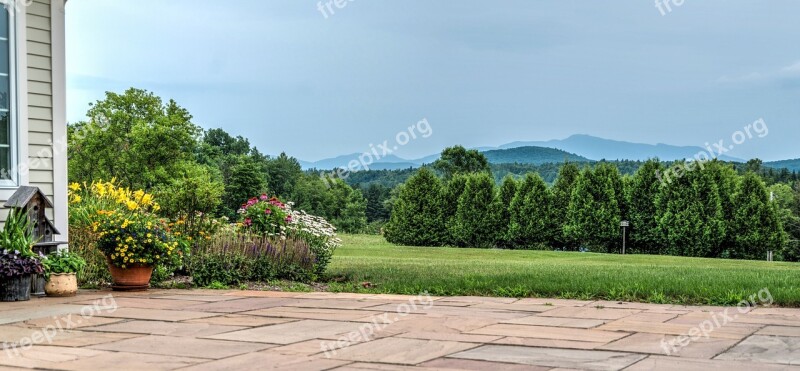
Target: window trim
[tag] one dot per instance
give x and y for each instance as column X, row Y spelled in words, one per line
column 10, row 8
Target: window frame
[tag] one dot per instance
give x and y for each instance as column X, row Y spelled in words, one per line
column 10, row 7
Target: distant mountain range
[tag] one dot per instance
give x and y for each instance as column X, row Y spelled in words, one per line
column 576, row 148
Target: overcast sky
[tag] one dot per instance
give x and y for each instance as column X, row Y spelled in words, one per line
column 482, row 73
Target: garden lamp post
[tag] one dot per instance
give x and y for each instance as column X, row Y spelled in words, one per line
column 624, row 224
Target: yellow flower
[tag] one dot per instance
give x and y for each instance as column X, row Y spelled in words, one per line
column 75, row 186
column 132, row 205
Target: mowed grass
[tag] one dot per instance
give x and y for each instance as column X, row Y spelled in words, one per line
column 369, row 264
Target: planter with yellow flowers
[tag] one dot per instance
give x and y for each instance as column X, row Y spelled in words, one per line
column 131, row 236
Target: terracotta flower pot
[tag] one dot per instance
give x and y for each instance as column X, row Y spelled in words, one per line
column 62, row 284
column 133, row 278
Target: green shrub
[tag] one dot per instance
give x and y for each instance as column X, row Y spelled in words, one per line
column 235, row 259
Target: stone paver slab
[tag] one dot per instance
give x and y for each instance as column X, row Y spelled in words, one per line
column 770, row 349
column 468, row 364
column 270, row 361
column 556, row 302
column 590, row 312
column 659, row 344
column 239, row 305
column 779, row 331
column 464, row 338
column 240, row 320
column 689, row 364
column 399, row 350
column 179, row 329
column 156, row 314
column 150, row 303
column 566, row 358
column 548, row 343
column 332, row 303
column 119, row 361
column 182, row 347
column 316, row 313
column 557, row 322
column 545, row 332
column 70, row 321
column 288, row 333
column 47, row 357
column 204, row 298
column 725, row 332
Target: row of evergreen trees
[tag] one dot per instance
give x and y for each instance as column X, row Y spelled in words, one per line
column 708, row 212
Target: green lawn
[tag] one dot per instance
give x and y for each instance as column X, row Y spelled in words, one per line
column 658, row 279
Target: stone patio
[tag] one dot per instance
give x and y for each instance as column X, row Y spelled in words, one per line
column 223, row 330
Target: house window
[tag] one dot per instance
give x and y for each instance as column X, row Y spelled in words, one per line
column 8, row 150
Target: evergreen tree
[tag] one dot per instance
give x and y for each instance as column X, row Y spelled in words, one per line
column 645, row 236
column 758, row 226
column 477, row 218
column 417, row 218
column 594, row 212
column 353, row 218
column 244, row 181
column 690, row 215
column 506, row 194
column 451, row 192
column 568, row 176
column 531, row 214
column 726, row 179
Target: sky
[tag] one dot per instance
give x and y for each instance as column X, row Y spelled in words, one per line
column 321, row 83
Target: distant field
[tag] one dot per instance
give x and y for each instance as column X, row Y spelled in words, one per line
column 656, row 279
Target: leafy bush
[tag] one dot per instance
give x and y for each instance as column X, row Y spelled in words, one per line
column 264, row 215
column 234, row 259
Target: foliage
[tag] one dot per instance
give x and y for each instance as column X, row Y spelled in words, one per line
column 13, row 263
column 127, row 230
column 645, row 236
column 264, row 215
column 508, row 189
column 758, row 225
column 133, row 137
column 478, row 215
column 243, row 179
column 353, row 218
column 690, row 215
column 594, row 211
column 191, row 196
column 459, row 160
column 16, row 234
column 562, row 193
column 451, row 192
column 238, row 258
column 531, row 214
column 63, row 262
column 271, row 218
column 417, row 217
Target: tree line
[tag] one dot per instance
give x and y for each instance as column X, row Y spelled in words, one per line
column 710, row 212
column 144, row 143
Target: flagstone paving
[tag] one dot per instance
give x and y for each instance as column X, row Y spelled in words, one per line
column 241, row 330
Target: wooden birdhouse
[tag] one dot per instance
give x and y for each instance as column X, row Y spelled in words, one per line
column 32, row 200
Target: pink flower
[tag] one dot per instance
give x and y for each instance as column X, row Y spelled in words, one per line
column 263, row 197
column 248, row 222
column 288, row 218
column 268, row 211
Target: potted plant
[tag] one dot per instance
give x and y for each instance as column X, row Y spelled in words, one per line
column 132, row 237
column 61, row 268
column 17, row 262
